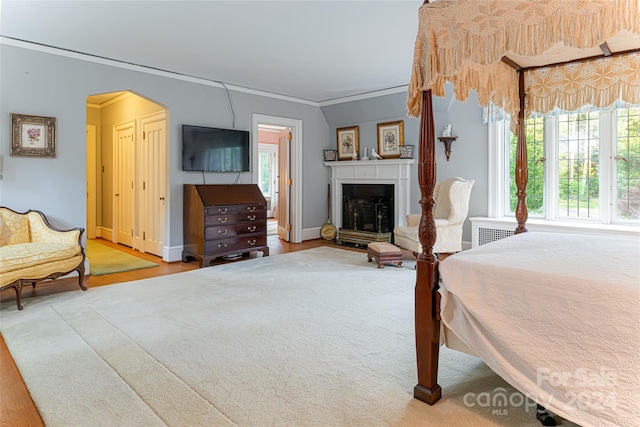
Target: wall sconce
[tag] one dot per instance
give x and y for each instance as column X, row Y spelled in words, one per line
column 447, row 140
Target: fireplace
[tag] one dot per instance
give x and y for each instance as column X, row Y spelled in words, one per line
column 367, row 207
column 390, row 199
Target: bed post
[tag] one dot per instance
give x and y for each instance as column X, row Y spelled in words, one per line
column 427, row 316
column 522, row 166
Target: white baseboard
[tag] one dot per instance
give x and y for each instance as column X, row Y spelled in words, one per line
column 172, row 253
column 104, row 233
column 311, row 233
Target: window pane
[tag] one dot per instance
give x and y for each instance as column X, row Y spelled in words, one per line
column 627, row 164
column 578, row 166
column 265, row 173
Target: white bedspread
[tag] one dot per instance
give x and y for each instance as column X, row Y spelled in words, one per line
column 557, row 316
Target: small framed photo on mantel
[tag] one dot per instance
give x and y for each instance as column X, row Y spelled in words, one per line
column 33, row 136
column 390, row 138
column 348, row 143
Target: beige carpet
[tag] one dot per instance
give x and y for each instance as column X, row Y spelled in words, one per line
column 310, row 338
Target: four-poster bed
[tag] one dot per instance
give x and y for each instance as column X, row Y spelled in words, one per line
column 524, row 56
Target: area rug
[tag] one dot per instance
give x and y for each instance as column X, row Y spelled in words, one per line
column 319, row 337
column 104, row 259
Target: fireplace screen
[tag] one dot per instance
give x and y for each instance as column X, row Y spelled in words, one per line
column 367, row 207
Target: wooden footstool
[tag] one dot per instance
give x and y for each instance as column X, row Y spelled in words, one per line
column 384, row 253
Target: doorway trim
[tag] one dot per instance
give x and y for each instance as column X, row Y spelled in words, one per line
column 295, row 206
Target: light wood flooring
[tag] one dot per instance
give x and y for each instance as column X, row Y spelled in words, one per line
column 16, row 406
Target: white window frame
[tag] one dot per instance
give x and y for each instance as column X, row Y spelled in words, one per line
column 498, row 184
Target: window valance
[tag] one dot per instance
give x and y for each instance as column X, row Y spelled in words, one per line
column 464, row 42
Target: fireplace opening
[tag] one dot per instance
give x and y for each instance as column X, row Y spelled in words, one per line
column 367, row 212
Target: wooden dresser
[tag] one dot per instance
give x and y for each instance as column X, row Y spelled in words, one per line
column 221, row 220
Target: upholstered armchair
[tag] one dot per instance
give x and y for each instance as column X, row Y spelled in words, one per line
column 451, row 209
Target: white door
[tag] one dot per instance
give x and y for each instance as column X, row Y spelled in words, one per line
column 151, row 159
column 284, row 185
column 124, row 152
column 91, row 182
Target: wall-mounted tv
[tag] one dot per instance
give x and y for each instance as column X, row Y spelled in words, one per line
column 210, row 149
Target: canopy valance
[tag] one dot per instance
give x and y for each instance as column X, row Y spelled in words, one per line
column 480, row 44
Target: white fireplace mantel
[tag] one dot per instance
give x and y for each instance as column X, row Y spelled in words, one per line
column 392, row 171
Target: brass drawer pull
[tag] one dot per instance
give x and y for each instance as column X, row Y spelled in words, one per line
column 251, row 208
column 222, row 245
column 251, row 242
column 252, row 228
column 251, row 217
column 222, row 231
column 223, row 220
column 222, row 211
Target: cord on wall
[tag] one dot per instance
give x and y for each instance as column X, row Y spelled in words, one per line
column 237, row 178
column 233, row 115
column 203, row 180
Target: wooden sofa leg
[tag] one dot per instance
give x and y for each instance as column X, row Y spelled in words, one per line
column 18, row 288
column 81, row 277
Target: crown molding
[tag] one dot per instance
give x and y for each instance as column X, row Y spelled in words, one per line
column 183, row 77
column 374, row 94
column 154, row 71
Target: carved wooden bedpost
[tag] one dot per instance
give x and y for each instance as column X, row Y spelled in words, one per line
column 522, row 167
column 427, row 317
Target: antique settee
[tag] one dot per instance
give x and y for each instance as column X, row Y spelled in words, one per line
column 32, row 250
column 451, row 209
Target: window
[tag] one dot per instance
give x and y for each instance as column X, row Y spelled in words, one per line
column 583, row 166
column 267, row 168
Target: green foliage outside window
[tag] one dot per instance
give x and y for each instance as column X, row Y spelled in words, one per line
column 265, row 173
column 628, row 163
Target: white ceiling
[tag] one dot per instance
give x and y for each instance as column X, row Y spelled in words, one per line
column 312, row 50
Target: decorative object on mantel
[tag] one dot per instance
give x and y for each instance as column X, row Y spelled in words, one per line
column 375, row 155
column 33, row 136
column 447, row 140
column 330, row 155
column 406, row 151
column 366, row 154
column 390, row 138
column 348, row 143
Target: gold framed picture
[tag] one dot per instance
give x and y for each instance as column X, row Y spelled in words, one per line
column 390, row 138
column 33, row 136
column 348, row 142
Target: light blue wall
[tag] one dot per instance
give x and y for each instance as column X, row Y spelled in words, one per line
column 38, row 83
column 46, row 84
column 469, row 152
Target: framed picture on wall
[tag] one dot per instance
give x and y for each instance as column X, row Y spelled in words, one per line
column 33, row 136
column 348, row 142
column 390, row 138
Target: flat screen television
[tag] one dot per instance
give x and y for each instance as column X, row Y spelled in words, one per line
column 210, row 149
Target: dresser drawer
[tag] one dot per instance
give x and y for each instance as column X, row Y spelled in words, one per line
column 226, row 231
column 213, row 220
column 233, row 244
column 234, row 209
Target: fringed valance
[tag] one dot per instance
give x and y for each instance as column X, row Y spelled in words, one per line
column 458, row 39
column 599, row 83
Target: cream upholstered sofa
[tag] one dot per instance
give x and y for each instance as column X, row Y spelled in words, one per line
column 32, row 250
column 451, row 209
